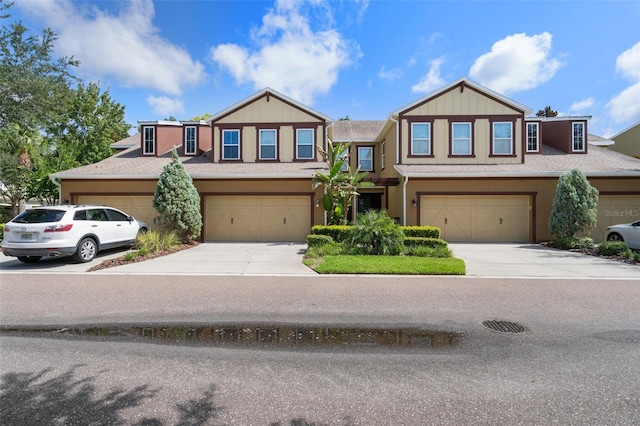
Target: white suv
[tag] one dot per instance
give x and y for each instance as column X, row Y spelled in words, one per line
column 68, row 230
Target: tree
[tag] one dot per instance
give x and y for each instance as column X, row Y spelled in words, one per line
column 177, row 201
column 33, row 87
column 547, row 112
column 574, row 208
column 340, row 186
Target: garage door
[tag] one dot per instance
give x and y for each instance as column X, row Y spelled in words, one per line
column 614, row 209
column 478, row 218
column 257, row 218
column 138, row 206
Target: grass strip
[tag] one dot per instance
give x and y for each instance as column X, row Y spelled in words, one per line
column 395, row 265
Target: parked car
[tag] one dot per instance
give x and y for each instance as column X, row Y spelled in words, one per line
column 80, row 231
column 627, row 232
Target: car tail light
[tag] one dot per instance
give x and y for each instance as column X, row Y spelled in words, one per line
column 58, row 228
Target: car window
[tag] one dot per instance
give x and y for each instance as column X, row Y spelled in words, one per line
column 116, row 216
column 80, row 215
column 39, row 216
column 97, row 214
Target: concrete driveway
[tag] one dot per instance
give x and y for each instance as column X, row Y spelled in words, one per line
column 481, row 259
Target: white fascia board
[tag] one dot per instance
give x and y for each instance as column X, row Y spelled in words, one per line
column 159, row 123
column 560, row 118
column 630, row 173
column 193, row 123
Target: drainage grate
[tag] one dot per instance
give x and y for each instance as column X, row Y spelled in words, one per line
column 504, row 326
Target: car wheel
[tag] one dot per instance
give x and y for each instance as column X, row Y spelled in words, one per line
column 87, row 250
column 29, row 259
column 614, row 236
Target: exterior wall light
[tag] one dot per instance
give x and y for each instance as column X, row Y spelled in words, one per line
column 414, row 203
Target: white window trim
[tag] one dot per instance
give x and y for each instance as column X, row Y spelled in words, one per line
column 144, row 140
column 573, row 138
column 537, row 127
column 186, row 140
column 427, row 139
column 510, row 138
column 298, row 144
column 275, row 144
column 453, row 139
column 359, row 157
column 224, row 145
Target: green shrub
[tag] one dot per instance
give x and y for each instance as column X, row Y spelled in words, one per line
column 318, row 240
column 421, row 231
column 129, row 256
column 573, row 243
column 1, row 231
column 338, row 233
column 423, row 251
column 153, row 241
column 424, row 242
column 376, row 233
column 612, row 248
column 329, row 249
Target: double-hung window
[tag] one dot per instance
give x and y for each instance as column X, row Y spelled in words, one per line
column 149, row 140
column 461, row 139
column 365, row 158
column 420, row 138
column 304, row 144
column 190, row 140
column 578, row 136
column 231, row 144
column 344, row 155
column 502, row 138
column 268, row 144
column 532, row 137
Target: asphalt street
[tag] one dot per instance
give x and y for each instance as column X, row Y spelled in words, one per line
column 578, row 362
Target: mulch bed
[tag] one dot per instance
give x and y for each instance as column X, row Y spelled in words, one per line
column 593, row 252
column 119, row 261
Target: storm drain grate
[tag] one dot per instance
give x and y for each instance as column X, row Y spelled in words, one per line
column 504, row 326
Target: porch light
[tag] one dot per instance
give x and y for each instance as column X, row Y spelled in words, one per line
column 414, row 203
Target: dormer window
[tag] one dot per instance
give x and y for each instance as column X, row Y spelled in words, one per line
column 578, row 137
column 148, row 140
column 190, row 140
column 532, row 137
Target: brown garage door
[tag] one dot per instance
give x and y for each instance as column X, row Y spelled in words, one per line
column 138, row 206
column 614, row 209
column 478, row 218
column 257, row 218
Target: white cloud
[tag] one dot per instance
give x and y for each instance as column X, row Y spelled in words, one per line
column 432, row 80
column 126, row 46
column 392, row 74
column 625, row 107
column 163, row 105
column 582, row 105
column 515, row 63
column 289, row 56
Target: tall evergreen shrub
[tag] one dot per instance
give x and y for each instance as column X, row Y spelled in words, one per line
column 574, row 208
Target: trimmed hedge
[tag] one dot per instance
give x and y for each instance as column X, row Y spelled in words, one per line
column 612, row 248
column 424, row 242
column 318, row 240
column 339, row 233
column 421, row 231
column 573, row 243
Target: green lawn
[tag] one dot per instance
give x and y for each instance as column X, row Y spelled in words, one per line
column 394, row 265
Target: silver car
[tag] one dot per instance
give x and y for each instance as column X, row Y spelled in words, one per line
column 627, row 232
column 68, row 230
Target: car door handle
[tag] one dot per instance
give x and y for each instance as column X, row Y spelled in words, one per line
column 94, row 225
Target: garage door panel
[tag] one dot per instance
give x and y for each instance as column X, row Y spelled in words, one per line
column 615, row 209
column 478, row 218
column 259, row 218
column 138, row 206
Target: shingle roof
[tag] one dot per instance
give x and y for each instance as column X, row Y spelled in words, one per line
column 551, row 162
column 356, row 130
column 130, row 164
column 133, row 140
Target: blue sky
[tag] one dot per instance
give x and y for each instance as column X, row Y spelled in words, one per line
column 357, row 58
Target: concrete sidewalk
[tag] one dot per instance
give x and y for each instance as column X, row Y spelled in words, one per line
column 522, row 260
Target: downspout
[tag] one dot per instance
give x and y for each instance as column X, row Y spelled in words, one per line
column 59, row 185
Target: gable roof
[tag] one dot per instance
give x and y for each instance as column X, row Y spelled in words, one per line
column 625, row 130
column 465, row 82
column 266, row 92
